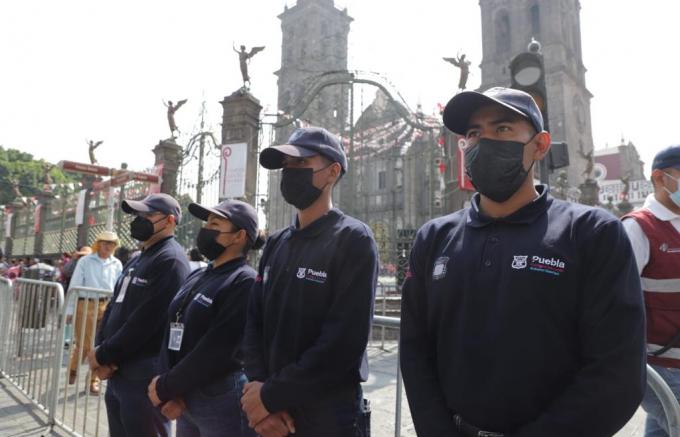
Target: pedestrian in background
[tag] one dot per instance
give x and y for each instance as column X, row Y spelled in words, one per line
column 196, row 259
column 97, row 270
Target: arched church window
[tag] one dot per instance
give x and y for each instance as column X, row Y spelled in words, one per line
column 535, row 21
column 503, row 33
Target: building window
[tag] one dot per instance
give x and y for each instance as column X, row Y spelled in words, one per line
column 382, row 180
column 503, row 33
column 535, row 21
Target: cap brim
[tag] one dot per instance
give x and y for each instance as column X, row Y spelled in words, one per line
column 133, row 206
column 202, row 212
column 460, row 108
column 271, row 158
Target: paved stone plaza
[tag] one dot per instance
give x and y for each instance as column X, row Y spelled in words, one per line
column 18, row 418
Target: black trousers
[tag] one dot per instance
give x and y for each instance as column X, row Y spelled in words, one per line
column 341, row 414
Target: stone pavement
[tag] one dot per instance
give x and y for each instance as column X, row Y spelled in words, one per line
column 18, row 418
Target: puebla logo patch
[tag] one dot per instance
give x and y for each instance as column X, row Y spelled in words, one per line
column 439, row 270
column 519, row 262
column 318, row 276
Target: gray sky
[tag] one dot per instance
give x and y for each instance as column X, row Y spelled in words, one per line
column 77, row 69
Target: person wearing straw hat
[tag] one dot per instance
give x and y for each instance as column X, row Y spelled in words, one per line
column 201, row 365
column 99, row 269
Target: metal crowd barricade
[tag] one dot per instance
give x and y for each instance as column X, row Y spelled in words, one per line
column 30, row 317
column 393, row 323
column 76, row 410
column 663, row 392
column 670, row 404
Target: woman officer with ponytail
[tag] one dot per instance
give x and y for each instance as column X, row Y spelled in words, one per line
column 201, row 376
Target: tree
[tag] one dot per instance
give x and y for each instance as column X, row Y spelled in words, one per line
column 20, row 167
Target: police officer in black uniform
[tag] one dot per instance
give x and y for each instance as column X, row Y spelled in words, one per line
column 311, row 306
column 133, row 325
column 201, row 362
column 522, row 315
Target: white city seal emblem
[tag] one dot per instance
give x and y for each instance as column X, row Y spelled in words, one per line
column 519, row 261
column 439, row 270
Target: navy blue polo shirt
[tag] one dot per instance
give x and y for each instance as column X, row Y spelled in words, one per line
column 133, row 324
column 529, row 325
column 310, row 311
column 214, row 318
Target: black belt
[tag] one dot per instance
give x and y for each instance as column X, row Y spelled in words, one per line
column 101, row 299
column 468, row 430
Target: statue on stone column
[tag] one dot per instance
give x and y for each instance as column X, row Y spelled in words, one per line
column 47, row 168
column 244, row 58
column 464, row 66
column 92, row 146
column 18, row 197
column 171, row 115
column 588, row 157
column 589, row 188
column 561, row 188
column 626, row 186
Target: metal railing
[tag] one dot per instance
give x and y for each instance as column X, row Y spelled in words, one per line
column 31, row 311
column 33, row 320
column 670, row 405
column 661, row 389
column 75, row 410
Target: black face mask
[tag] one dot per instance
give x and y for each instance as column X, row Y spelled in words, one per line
column 141, row 228
column 297, row 187
column 207, row 244
column 495, row 167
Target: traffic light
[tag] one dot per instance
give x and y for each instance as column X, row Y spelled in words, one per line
column 527, row 73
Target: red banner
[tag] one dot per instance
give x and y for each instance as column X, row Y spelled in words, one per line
column 463, row 181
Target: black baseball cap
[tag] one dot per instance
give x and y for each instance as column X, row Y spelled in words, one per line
column 667, row 158
column 241, row 214
column 304, row 142
column 159, row 202
column 460, row 108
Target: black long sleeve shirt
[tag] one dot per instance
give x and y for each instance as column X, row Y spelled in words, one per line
column 132, row 327
column 310, row 311
column 214, row 319
column 530, row 325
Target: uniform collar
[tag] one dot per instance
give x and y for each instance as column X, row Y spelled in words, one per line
column 525, row 215
column 659, row 211
column 157, row 245
column 317, row 226
column 229, row 265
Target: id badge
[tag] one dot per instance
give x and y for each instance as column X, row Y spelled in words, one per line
column 123, row 289
column 176, row 333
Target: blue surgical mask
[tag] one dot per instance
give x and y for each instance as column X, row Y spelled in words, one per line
column 675, row 196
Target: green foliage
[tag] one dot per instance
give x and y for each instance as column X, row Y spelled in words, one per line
column 29, row 173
